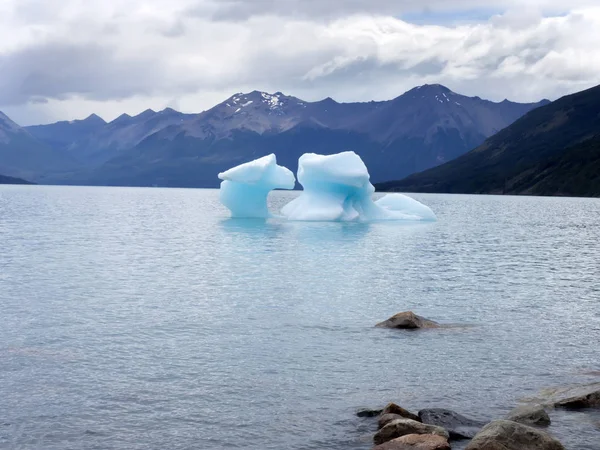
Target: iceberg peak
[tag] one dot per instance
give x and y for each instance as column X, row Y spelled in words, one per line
column 336, row 188
column 245, row 188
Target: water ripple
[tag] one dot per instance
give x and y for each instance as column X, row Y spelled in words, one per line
column 146, row 319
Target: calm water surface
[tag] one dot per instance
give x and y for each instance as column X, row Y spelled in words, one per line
column 146, row 319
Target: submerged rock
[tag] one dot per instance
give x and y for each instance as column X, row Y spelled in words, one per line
column 530, row 415
column 416, row 442
column 402, row 427
column 459, row 427
column 576, row 397
column 393, row 408
column 509, row 435
column 408, row 321
column 367, row 412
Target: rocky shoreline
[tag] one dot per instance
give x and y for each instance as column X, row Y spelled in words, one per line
column 436, row 429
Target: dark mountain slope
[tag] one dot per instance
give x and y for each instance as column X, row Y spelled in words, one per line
column 550, row 151
column 124, row 133
column 431, row 125
column 23, row 156
column 12, row 180
column 575, row 173
column 189, row 161
column 92, row 141
column 62, row 135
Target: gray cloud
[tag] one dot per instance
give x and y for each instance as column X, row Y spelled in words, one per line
column 57, row 70
column 75, row 58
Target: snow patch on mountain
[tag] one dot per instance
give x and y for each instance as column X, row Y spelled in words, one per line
column 273, row 100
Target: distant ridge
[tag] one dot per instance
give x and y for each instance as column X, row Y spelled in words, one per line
column 24, row 156
column 422, row 128
column 553, row 150
column 62, row 135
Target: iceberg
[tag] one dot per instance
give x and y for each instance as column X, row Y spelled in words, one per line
column 245, row 188
column 403, row 207
column 336, row 188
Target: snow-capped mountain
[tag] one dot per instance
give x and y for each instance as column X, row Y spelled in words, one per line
column 256, row 111
column 420, row 129
column 261, row 112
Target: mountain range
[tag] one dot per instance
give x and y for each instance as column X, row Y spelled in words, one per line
column 553, row 150
column 423, row 128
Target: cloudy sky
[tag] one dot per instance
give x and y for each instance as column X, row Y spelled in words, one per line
column 64, row 59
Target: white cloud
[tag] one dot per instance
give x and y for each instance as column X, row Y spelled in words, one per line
column 66, row 59
column 242, row 9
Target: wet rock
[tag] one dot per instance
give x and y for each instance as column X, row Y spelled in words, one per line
column 530, row 415
column 368, row 412
column 408, row 321
column 576, row 397
column 402, row 427
column 509, row 435
column 393, row 408
column 459, row 427
column 416, row 442
column 387, row 418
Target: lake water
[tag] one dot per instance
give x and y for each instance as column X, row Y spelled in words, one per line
column 146, row 319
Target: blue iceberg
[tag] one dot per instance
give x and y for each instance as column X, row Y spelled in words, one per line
column 336, row 188
column 245, row 188
column 403, row 207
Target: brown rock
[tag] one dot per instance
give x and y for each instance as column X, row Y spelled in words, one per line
column 416, row 442
column 393, row 408
column 509, row 435
column 408, row 321
column 402, row 427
